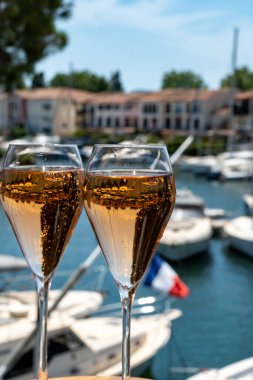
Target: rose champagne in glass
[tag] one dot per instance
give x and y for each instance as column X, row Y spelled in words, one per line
column 42, row 196
column 129, row 195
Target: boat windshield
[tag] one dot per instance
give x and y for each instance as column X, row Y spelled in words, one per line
column 186, row 213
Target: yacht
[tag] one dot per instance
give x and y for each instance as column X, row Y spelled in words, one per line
column 80, row 346
column 189, row 230
column 239, row 232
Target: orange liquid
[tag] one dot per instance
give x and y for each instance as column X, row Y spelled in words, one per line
column 43, row 208
column 129, row 214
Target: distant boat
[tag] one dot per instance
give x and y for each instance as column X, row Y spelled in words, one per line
column 242, row 370
column 248, row 203
column 189, row 231
column 239, row 232
column 198, row 165
column 10, row 263
column 235, row 165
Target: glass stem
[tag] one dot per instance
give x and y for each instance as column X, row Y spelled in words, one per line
column 43, row 289
column 126, row 297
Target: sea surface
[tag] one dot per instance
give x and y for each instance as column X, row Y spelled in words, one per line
column 216, row 327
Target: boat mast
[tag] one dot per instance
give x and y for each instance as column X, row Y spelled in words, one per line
column 233, row 89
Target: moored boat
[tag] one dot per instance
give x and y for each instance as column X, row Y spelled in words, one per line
column 89, row 346
column 189, row 230
column 248, row 203
column 242, row 369
column 239, row 232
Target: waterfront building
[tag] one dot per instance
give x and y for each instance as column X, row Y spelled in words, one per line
column 243, row 111
column 115, row 112
column 53, row 111
column 180, row 110
column 64, row 111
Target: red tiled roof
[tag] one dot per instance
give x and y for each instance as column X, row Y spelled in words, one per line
column 55, row 93
column 244, row 95
column 179, row 95
column 117, row 98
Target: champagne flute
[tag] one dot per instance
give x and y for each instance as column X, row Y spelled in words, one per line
column 42, row 196
column 129, row 195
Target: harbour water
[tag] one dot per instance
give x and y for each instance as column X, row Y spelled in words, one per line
column 216, row 328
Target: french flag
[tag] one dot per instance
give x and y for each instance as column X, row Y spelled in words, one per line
column 163, row 278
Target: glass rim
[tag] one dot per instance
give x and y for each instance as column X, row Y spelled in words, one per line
column 27, row 145
column 129, row 145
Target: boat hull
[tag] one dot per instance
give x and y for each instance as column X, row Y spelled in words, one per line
column 186, row 239
column 239, row 233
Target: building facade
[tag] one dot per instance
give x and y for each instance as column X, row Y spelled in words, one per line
column 174, row 109
column 63, row 111
column 52, row 111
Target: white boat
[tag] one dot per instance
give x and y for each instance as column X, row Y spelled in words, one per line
column 248, row 203
column 242, row 370
column 22, row 304
column 233, row 166
column 198, row 165
column 90, row 346
column 236, row 169
column 10, row 263
column 239, row 232
column 189, row 231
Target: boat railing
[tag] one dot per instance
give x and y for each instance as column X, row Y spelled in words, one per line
column 144, row 305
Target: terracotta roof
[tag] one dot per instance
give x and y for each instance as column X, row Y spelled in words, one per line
column 244, row 95
column 54, row 93
column 179, row 95
column 117, row 97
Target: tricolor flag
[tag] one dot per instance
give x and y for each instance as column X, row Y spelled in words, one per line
column 163, row 278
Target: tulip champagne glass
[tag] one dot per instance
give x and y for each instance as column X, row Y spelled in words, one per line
column 42, row 196
column 129, row 195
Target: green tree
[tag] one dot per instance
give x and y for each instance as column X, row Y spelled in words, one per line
column 83, row 80
column 115, row 84
column 38, row 80
column 183, row 79
column 243, row 79
column 28, row 34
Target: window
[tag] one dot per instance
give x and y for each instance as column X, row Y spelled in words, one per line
column 100, row 122
column 117, row 122
column 150, row 108
column 127, row 122
column 196, row 124
column 108, row 122
column 178, row 122
column 167, row 123
column 178, row 107
column 195, row 107
column 167, row 108
column 154, row 123
column 46, row 106
column 145, row 123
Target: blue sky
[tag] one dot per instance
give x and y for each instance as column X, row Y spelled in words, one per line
column 143, row 39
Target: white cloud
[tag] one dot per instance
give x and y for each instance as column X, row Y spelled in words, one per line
column 148, row 15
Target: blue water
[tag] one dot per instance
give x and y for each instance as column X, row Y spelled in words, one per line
column 217, row 323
